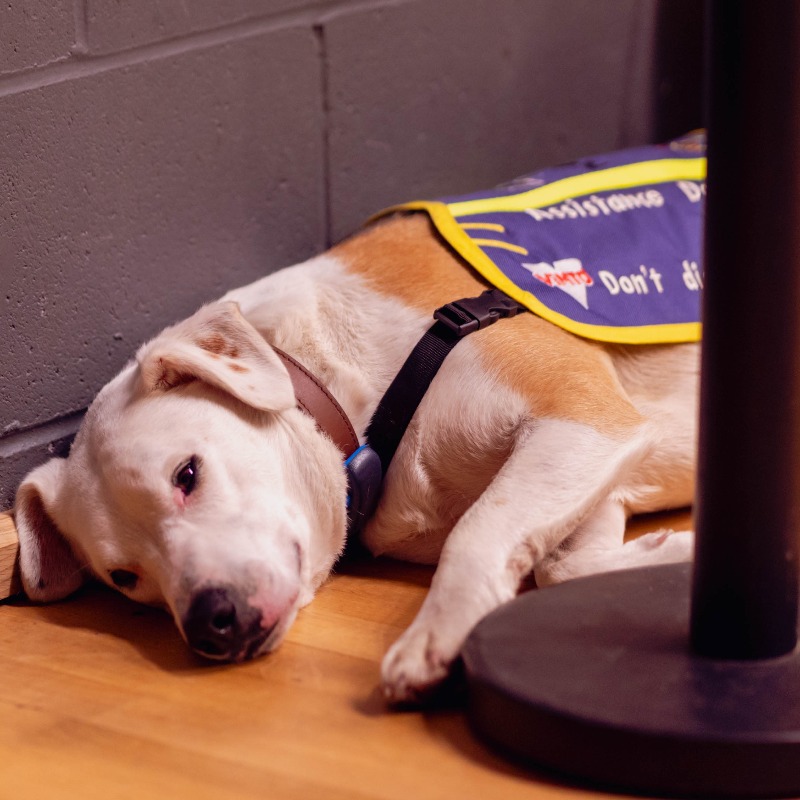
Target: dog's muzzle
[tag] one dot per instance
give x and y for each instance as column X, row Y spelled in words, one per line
column 220, row 624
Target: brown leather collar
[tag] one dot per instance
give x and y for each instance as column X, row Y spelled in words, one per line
column 320, row 405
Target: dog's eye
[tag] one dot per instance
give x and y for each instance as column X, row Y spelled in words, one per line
column 124, row 578
column 186, row 476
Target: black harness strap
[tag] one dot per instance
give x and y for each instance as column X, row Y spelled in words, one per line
column 453, row 322
column 368, row 465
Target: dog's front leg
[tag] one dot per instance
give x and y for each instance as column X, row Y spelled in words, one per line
column 558, row 472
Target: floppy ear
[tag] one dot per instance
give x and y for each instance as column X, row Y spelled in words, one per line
column 219, row 346
column 50, row 570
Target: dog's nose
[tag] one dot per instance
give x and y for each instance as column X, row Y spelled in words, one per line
column 220, row 624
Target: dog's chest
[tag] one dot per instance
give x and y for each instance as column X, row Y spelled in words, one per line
column 461, row 435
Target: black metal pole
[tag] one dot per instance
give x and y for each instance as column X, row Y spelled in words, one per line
column 744, row 586
column 572, row 676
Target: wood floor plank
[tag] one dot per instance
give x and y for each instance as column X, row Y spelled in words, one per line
column 100, row 698
column 9, row 547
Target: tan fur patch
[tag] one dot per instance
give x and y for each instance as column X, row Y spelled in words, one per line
column 560, row 375
column 404, row 257
column 217, row 345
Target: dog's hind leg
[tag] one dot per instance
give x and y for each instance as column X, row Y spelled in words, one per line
column 597, row 546
column 554, row 479
column 603, row 531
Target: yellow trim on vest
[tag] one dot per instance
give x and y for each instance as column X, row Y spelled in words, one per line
column 514, row 248
column 483, row 226
column 451, row 230
column 606, row 180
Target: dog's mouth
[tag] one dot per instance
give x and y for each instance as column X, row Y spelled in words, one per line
column 238, row 651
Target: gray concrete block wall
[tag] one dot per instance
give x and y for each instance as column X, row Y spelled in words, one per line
column 455, row 96
column 112, row 26
column 155, row 154
column 35, row 34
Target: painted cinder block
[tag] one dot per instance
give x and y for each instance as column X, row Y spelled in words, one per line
column 20, row 453
column 34, row 33
column 130, row 197
column 112, row 26
column 445, row 97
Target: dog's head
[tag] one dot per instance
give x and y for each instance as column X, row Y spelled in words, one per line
column 195, row 483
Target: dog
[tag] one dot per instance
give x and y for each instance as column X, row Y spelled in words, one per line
column 196, row 482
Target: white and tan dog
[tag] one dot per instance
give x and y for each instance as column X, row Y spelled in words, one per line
column 196, row 482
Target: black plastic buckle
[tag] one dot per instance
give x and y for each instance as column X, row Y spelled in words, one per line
column 474, row 313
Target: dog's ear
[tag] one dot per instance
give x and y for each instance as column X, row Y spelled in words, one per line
column 49, row 567
column 219, row 346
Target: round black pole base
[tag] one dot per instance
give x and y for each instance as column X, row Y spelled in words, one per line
column 594, row 679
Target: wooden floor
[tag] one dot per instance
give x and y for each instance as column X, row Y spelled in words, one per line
column 99, row 698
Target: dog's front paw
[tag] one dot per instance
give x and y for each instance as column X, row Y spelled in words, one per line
column 416, row 664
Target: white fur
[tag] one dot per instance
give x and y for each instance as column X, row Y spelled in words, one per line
column 479, row 483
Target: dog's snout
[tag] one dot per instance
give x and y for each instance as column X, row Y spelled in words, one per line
column 220, row 624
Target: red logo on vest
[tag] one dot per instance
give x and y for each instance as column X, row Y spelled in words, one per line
column 566, row 274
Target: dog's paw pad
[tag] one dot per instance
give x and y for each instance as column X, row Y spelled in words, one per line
column 414, row 667
column 657, row 538
column 666, row 546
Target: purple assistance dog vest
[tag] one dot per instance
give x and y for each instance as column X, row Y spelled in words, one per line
column 606, row 247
